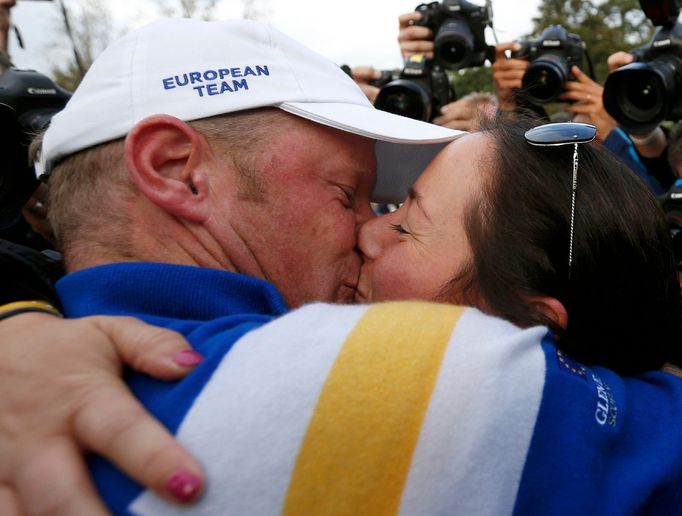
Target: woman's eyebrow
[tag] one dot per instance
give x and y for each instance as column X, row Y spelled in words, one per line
column 417, row 197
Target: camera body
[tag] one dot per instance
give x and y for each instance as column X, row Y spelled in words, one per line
column 459, row 32
column 641, row 95
column 28, row 100
column 418, row 91
column 551, row 57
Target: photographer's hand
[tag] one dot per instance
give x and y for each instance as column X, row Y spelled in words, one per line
column 507, row 74
column 618, row 59
column 5, row 6
column 414, row 39
column 465, row 114
column 62, row 395
column 589, row 107
column 361, row 75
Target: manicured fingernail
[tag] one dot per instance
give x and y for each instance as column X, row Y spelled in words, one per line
column 183, row 485
column 188, row 358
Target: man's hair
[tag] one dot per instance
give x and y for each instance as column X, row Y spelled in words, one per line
column 622, row 294
column 89, row 190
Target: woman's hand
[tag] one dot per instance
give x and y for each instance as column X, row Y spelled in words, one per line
column 62, row 395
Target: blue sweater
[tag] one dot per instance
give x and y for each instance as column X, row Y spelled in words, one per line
column 408, row 408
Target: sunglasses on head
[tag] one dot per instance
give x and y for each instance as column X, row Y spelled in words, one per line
column 568, row 133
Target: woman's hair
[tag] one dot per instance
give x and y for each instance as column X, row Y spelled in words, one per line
column 623, row 294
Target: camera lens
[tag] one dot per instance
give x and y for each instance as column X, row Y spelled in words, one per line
column 642, row 99
column 639, row 96
column 454, row 44
column 406, row 98
column 545, row 78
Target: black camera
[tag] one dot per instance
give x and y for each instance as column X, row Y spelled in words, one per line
column 551, row 57
column 671, row 202
column 418, row 91
column 459, row 28
column 28, row 100
column 641, row 95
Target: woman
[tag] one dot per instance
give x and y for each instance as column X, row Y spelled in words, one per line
column 488, row 225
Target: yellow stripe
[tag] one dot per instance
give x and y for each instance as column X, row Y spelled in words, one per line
column 32, row 305
column 358, row 447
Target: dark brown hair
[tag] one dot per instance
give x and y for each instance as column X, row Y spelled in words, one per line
column 623, row 295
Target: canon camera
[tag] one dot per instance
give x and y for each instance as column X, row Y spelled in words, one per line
column 641, row 95
column 28, row 100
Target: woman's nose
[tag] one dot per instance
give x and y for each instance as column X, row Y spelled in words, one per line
column 373, row 235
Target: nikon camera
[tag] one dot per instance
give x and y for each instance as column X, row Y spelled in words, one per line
column 418, row 91
column 551, row 57
column 459, row 28
column 641, row 95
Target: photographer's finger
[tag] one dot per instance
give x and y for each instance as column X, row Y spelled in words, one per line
column 364, row 73
column 415, row 32
column 161, row 353
column 55, row 481
column 138, row 444
column 417, row 47
column 574, row 93
column 510, row 74
column 502, row 49
column 9, row 503
column 405, row 20
column 618, row 59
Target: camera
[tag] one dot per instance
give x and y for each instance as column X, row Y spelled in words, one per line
column 28, row 100
column 551, row 57
column 641, row 95
column 671, row 202
column 418, row 91
column 459, row 28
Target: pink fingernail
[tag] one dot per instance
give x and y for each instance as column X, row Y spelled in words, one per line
column 188, row 358
column 183, row 485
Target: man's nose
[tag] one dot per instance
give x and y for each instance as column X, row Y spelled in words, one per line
column 364, row 214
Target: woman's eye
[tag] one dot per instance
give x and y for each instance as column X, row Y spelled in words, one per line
column 399, row 229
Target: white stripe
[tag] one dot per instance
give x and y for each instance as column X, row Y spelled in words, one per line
column 473, row 444
column 247, row 425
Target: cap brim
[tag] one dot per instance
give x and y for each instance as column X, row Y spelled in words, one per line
column 404, row 148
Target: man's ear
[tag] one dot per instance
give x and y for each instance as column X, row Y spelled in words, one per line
column 551, row 308
column 167, row 161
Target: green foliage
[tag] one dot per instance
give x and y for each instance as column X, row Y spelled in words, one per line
column 470, row 80
column 605, row 27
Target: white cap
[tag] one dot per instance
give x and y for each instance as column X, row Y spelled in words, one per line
column 195, row 69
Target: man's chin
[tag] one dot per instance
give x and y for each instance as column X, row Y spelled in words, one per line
column 346, row 295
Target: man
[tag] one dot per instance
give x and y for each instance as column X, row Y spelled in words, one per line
column 286, row 182
column 416, row 408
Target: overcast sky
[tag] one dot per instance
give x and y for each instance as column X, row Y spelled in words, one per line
column 351, row 32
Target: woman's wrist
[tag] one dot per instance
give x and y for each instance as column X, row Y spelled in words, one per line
column 21, row 307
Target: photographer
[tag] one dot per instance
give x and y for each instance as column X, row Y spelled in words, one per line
column 649, row 149
column 463, row 114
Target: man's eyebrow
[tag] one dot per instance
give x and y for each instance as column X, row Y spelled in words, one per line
column 417, row 197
